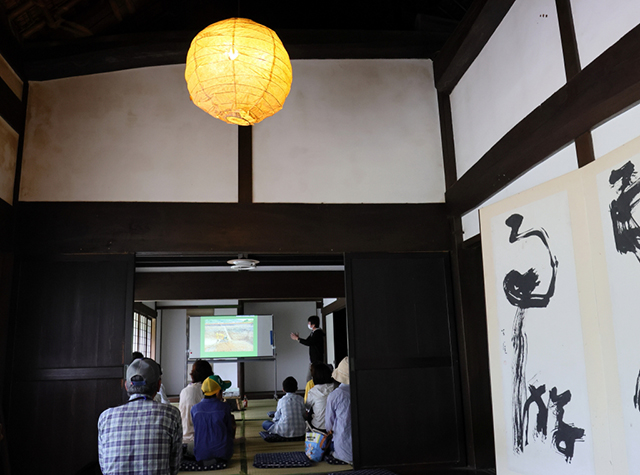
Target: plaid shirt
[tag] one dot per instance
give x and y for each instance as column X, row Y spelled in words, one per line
column 289, row 417
column 142, row 437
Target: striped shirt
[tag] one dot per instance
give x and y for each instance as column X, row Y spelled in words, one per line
column 338, row 420
column 289, row 417
column 142, row 437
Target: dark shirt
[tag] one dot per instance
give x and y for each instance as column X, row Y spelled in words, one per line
column 213, row 430
column 315, row 342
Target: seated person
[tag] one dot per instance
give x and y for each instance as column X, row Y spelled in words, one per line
column 141, row 436
column 161, row 395
column 192, row 395
column 214, row 425
column 338, row 414
column 288, row 421
column 317, row 400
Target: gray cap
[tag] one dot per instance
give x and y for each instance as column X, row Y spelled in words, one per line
column 147, row 370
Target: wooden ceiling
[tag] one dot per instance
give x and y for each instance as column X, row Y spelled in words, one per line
column 58, row 38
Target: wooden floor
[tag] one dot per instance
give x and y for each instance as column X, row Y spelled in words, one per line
column 249, row 443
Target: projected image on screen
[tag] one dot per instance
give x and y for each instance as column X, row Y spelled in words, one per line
column 231, row 336
column 228, row 336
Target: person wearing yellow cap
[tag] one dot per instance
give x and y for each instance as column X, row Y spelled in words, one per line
column 213, row 424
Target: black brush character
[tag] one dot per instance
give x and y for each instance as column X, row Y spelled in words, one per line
column 519, row 290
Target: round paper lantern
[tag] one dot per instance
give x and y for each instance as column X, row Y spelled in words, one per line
column 238, row 71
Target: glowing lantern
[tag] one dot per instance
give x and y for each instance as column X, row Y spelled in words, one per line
column 238, row 71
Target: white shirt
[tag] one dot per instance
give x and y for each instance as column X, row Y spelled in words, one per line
column 189, row 397
column 317, row 400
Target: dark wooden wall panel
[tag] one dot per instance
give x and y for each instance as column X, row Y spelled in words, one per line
column 401, row 341
column 57, row 429
column 72, row 320
column 426, row 434
column 72, row 339
column 474, row 333
column 210, row 227
column 7, row 221
column 419, row 332
column 6, row 286
column 308, row 285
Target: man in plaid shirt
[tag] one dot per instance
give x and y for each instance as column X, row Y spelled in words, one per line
column 288, row 420
column 141, row 437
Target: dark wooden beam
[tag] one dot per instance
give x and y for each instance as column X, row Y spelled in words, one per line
column 224, row 227
column 462, row 48
column 245, row 164
column 65, row 374
column 309, row 285
column 465, row 363
column 606, row 87
column 568, row 38
column 103, row 54
column 448, row 143
column 584, row 149
column 12, row 110
column 339, row 304
column 144, row 310
column 18, row 172
column 570, row 53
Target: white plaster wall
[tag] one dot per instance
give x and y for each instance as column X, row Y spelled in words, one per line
column 560, row 163
column 8, row 155
column 292, row 358
column 352, row 131
column 517, row 70
column 601, row 23
column 125, row 136
column 616, row 132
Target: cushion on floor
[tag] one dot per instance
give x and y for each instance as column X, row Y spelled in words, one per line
column 334, row 461
column 193, row 466
column 268, row 437
column 369, row 471
column 281, row 460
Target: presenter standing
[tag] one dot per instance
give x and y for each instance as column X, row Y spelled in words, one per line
column 315, row 341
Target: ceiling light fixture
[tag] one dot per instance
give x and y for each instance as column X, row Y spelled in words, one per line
column 238, row 71
column 243, row 264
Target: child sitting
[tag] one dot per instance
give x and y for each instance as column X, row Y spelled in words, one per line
column 214, row 425
column 288, row 421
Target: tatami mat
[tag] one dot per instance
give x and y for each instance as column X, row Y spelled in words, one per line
column 250, row 443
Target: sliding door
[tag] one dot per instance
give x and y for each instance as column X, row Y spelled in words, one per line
column 72, row 339
column 406, row 400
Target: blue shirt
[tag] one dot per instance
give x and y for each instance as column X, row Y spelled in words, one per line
column 142, row 437
column 289, row 417
column 338, row 420
column 213, row 427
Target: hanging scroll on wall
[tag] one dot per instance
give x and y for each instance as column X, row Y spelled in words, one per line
column 562, row 285
column 550, row 394
column 612, row 193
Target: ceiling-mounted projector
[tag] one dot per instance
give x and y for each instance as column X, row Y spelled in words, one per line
column 243, row 264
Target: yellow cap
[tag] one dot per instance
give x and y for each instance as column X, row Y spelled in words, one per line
column 210, row 386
